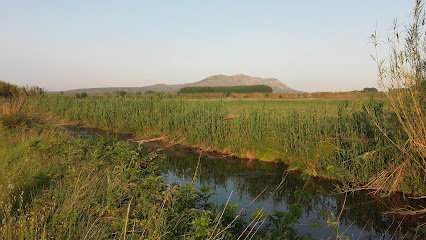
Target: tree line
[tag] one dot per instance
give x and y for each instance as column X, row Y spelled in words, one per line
column 232, row 89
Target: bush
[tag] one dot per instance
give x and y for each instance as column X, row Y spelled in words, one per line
column 370, row 90
column 121, row 93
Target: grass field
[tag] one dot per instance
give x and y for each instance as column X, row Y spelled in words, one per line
column 286, row 105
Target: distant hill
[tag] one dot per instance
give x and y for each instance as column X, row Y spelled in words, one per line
column 242, row 80
column 155, row 88
column 213, row 81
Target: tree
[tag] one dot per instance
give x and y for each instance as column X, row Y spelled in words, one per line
column 370, row 89
column 121, row 93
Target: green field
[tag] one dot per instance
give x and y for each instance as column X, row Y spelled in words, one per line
column 326, row 105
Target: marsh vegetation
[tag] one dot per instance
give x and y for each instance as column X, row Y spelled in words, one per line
column 57, row 185
column 334, row 139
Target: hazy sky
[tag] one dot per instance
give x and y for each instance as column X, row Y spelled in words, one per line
column 309, row 45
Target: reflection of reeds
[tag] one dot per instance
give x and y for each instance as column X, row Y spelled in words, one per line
column 408, row 211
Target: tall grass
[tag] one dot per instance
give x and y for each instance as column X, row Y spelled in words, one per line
column 55, row 186
column 12, row 113
column 342, row 143
column 8, row 90
column 402, row 77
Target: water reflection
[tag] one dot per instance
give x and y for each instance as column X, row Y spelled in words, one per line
column 363, row 216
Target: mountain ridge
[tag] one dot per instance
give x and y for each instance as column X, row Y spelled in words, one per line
column 242, row 80
column 212, row 81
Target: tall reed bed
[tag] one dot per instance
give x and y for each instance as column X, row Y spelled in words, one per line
column 344, row 144
column 402, row 77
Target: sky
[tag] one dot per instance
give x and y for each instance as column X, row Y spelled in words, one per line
column 310, row 45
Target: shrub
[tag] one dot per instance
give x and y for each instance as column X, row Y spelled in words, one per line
column 121, row 93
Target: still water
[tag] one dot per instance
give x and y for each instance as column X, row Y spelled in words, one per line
column 271, row 187
column 254, row 184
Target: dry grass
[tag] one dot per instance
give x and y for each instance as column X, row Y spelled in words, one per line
column 348, row 95
column 12, row 113
column 402, row 78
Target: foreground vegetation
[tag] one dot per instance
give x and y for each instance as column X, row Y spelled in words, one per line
column 63, row 188
column 57, row 186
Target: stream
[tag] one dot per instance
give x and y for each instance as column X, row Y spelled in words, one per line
column 259, row 185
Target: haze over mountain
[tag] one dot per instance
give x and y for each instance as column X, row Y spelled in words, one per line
column 212, row 81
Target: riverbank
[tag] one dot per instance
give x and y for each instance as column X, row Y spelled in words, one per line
column 341, row 140
column 61, row 186
column 57, row 186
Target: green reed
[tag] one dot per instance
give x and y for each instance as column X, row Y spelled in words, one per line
column 342, row 143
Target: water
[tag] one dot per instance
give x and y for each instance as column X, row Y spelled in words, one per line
column 254, row 184
column 257, row 185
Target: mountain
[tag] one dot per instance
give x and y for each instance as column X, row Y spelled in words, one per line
column 242, row 80
column 212, row 81
column 155, row 88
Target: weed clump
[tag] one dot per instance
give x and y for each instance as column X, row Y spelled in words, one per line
column 13, row 113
